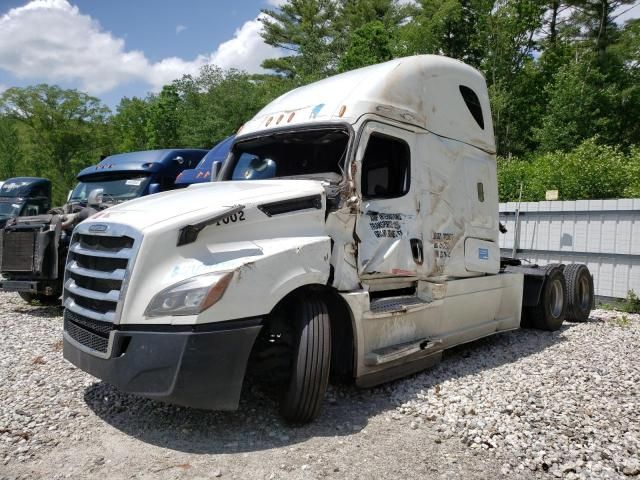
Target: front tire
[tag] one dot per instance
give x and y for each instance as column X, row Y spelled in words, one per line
column 302, row 400
column 550, row 311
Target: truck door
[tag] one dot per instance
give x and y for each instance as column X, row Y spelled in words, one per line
column 387, row 226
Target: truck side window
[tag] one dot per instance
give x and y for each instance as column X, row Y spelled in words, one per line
column 39, row 191
column 385, row 167
column 32, row 208
column 473, row 104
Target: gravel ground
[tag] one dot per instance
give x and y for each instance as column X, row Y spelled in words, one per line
column 523, row 404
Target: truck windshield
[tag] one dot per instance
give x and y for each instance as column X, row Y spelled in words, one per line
column 9, row 209
column 114, row 188
column 318, row 154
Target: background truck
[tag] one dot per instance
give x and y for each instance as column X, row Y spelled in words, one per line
column 34, row 247
column 22, row 196
column 208, row 167
column 368, row 247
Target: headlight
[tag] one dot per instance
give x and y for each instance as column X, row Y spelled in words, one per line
column 190, row 296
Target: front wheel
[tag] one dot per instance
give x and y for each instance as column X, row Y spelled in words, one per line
column 302, row 400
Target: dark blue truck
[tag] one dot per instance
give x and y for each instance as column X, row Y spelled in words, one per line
column 34, row 248
column 20, row 196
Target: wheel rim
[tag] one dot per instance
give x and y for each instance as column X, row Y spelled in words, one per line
column 584, row 293
column 556, row 300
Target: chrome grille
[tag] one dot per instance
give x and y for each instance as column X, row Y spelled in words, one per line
column 88, row 332
column 102, row 243
column 95, row 281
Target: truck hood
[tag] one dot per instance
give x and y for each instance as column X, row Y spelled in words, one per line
column 202, row 201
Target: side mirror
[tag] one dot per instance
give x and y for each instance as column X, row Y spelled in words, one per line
column 95, row 197
column 154, row 188
column 179, row 159
column 215, row 170
column 69, row 195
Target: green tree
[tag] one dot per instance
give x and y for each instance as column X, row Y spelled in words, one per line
column 319, row 33
column 163, row 121
column 581, row 105
column 130, row 125
column 369, row 44
column 10, row 154
column 64, row 131
column 455, row 28
column 215, row 103
column 597, row 18
column 305, row 29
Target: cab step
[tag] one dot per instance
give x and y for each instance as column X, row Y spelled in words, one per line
column 401, row 350
column 396, row 304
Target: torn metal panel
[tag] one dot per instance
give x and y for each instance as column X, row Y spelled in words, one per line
column 340, row 227
column 385, row 246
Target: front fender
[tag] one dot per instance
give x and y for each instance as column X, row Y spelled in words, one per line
column 265, row 271
column 260, row 283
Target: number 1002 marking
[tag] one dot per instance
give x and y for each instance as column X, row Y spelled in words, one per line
column 233, row 218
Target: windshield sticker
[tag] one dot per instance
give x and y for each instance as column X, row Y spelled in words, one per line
column 133, row 182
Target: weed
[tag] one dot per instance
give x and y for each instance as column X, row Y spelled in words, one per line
column 622, row 321
column 631, row 304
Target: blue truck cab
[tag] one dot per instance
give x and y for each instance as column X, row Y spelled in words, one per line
column 24, row 196
column 202, row 172
column 34, row 248
column 126, row 176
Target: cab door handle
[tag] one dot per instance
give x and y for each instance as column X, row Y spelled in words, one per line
column 416, row 250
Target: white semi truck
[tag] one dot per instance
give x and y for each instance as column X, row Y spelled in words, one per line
column 353, row 235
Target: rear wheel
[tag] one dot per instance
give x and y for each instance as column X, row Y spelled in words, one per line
column 302, row 400
column 579, row 292
column 40, row 297
column 550, row 311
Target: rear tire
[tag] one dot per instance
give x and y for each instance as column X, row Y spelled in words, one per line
column 302, row 400
column 49, row 300
column 550, row 312
column 579, row 292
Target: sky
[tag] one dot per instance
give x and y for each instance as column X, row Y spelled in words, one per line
column 116, row 48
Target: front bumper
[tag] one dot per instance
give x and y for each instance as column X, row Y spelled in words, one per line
column 27, row 286
column 196, row 368
column 46, row 287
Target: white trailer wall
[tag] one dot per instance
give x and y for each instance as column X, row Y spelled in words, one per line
column 604, row 234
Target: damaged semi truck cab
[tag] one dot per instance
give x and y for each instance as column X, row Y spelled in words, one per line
column 34, row 247
column 353, row 236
